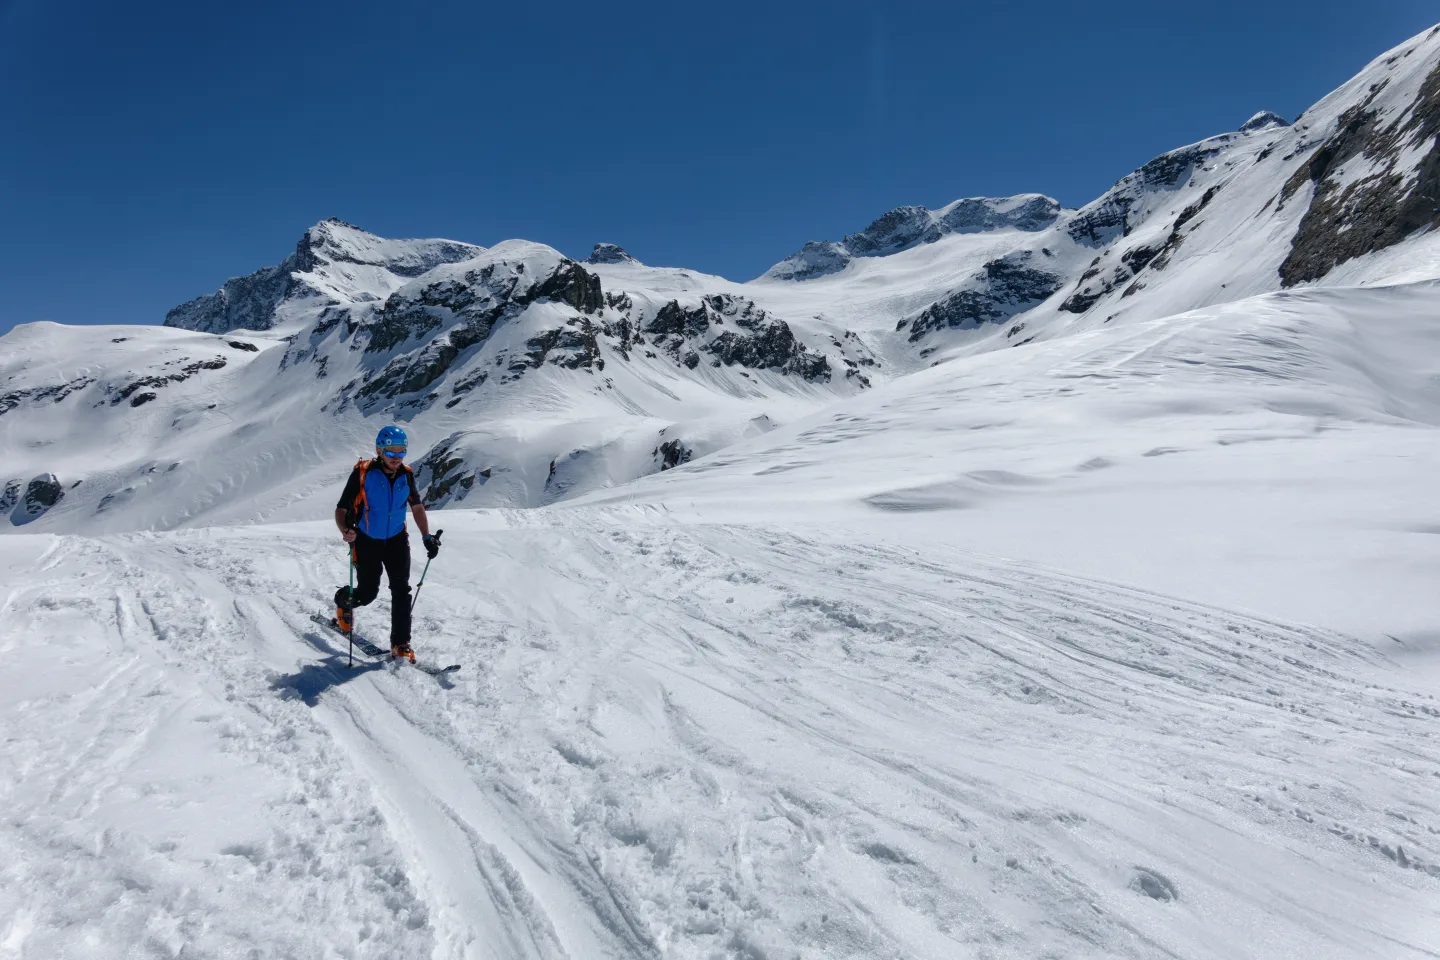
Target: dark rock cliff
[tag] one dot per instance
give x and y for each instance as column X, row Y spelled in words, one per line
column 1347, row 217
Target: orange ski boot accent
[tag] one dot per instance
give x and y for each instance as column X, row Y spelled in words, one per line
column 342, row 619
column 403, row 650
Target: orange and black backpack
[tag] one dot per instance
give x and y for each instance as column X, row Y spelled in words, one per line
column 361, row 504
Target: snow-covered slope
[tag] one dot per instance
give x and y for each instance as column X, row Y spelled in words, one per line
column 1346, row 195
column 522, row 379
column 781, row 739
column 1203, row 454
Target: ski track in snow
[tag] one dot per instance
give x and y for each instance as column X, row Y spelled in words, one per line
column 694, row 741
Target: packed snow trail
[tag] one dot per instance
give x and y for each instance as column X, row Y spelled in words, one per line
column 692, row 741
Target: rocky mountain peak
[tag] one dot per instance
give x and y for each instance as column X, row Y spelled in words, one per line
column 1030, row 212
column 334, row 241
column 253, row 301
column 609, row 253
column 1264, row 120
column 893, row 231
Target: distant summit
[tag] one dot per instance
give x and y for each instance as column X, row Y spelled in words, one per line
column 909, row 226
column 609, row 253
column 252, row 302
column 1264, row 120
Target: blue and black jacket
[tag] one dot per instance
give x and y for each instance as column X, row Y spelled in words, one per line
column 381, row 512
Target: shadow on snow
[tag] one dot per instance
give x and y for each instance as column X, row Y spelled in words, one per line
column 313, row 679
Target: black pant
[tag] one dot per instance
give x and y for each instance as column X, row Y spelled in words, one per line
column 394, row 556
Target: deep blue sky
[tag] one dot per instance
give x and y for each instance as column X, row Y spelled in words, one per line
column 150, row 150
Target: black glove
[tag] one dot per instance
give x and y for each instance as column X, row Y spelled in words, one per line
column 432, row 544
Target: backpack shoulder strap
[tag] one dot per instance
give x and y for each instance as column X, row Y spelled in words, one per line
column 361, row 503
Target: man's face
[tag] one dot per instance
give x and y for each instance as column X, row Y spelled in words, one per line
column 391, row 464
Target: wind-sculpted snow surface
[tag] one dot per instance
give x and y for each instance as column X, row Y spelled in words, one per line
column 1248, row 453
column 710, row 741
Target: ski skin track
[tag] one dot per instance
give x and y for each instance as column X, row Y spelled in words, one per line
column 1149, row 738
column 430, row 813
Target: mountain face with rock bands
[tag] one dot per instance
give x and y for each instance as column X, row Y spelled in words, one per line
column 333, row 263
column 906, row 227
column 527, row 377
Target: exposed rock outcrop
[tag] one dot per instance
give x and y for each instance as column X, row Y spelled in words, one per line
column 1108, row 273
column 734, row 331
column 443, row 476
column 1002, row 288
column 1394, row 193
column 673, row 453
column 54, row 393
column 609, row 253
column 447, row 315
column 1108, row 218
column 1028, row 212
column 246, row 302
column 185, row 372
column 41, row 493
column 818, row 258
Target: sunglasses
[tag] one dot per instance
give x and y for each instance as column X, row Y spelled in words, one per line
column 394, row 453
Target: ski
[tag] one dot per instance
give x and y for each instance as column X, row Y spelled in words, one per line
column 361, row 644
column 370, row 650
column 433, row 670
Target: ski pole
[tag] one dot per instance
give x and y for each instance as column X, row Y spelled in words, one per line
column 422, row 576
column 350, row 633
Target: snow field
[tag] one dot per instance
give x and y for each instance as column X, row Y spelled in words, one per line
column 706, row 740
column 1277, row 454
column 153, row 807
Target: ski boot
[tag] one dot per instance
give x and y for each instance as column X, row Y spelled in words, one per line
column 343, row 610
column 402, row 651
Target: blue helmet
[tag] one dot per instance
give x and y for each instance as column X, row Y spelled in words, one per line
column 391, row 436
